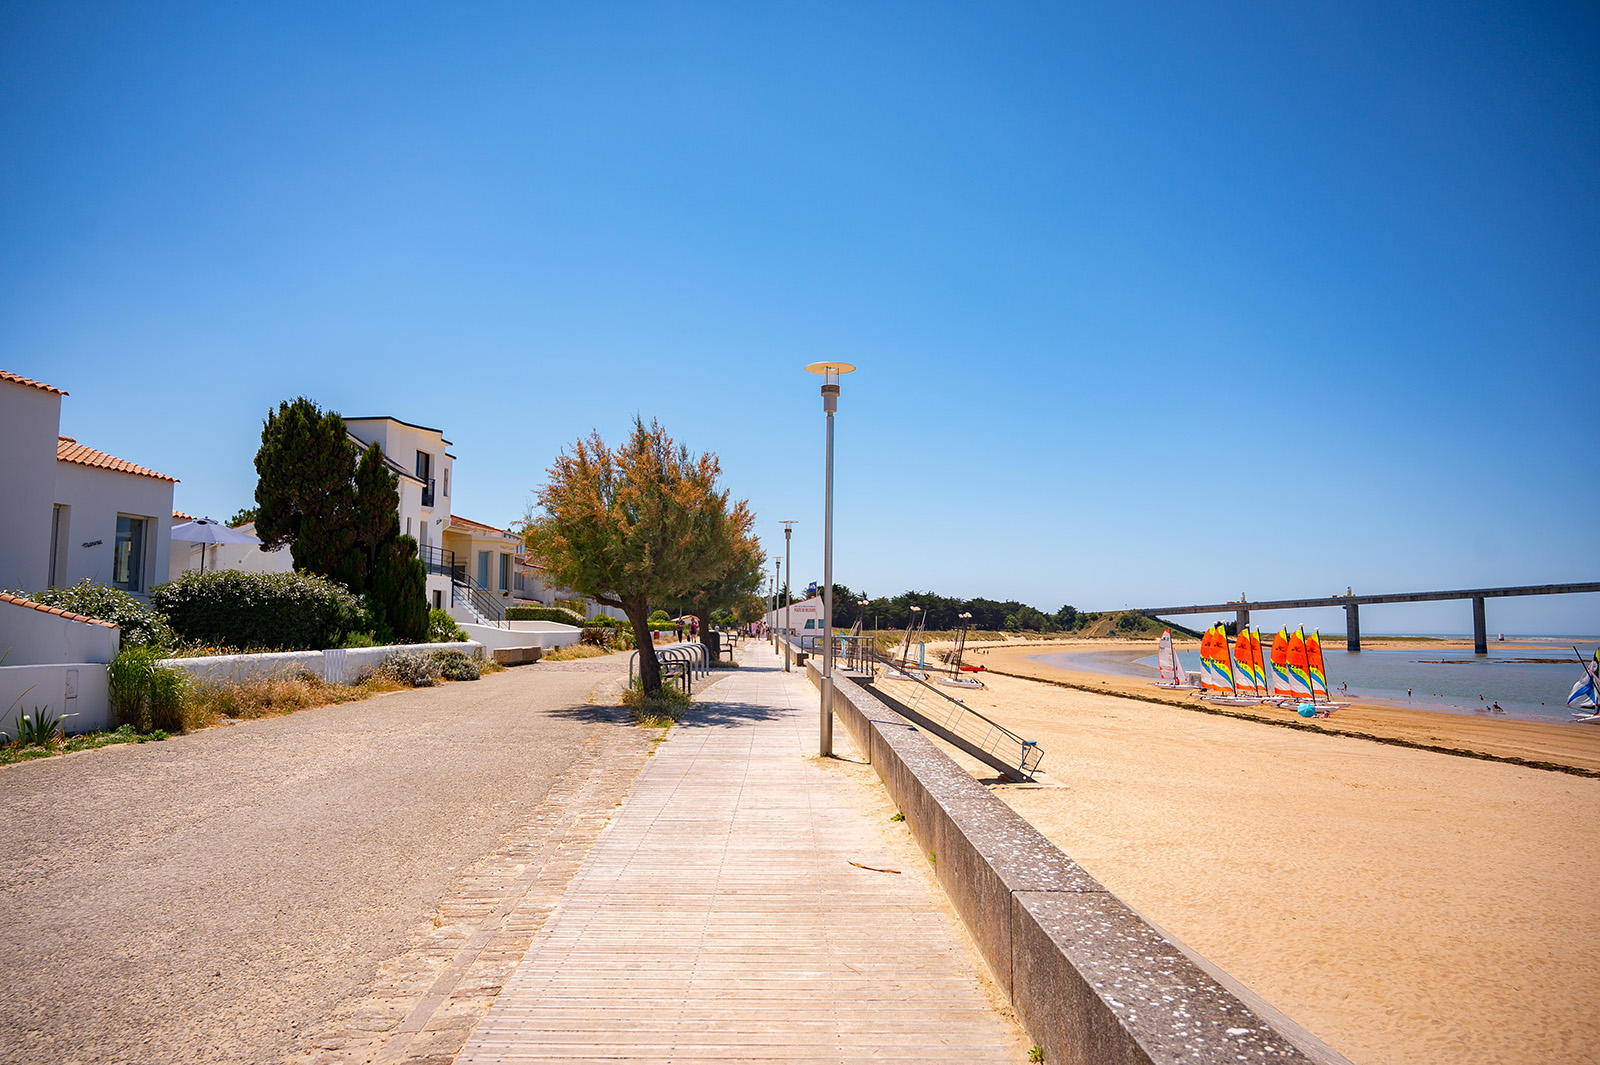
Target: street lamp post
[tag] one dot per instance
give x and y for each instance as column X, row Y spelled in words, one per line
column 788, row 530
column 830, row 373
column 777, row 577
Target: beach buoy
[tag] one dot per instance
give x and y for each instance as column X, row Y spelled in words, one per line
column 1307, row 710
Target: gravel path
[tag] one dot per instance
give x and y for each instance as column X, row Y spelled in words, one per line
column 211, row 897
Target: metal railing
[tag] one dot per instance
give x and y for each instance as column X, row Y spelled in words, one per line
column 484, row 603
column 437, row 559
column 853, row 654
column 693, row 656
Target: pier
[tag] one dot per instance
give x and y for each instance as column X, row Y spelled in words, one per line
column 1352, row 605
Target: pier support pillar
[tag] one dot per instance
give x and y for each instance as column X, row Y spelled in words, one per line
column 1241, row 619
column 1352, row 627
column 1480, row 627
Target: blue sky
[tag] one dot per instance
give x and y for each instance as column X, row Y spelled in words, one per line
column 1152, row 303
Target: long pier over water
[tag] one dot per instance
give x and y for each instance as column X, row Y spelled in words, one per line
column 1352, row 605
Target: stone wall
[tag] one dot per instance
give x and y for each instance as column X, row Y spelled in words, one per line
column 1091, row 981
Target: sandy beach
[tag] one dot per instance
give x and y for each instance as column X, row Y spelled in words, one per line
column 1402, row 904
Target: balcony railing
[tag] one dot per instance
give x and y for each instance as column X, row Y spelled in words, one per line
column 437, row 559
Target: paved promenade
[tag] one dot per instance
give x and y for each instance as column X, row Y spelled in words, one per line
column 719, row 917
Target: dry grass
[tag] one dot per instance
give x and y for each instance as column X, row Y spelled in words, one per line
column 211, row 701
column 577, row 650
column 662, row 710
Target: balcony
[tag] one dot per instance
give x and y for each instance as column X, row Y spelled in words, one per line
column 437, row 559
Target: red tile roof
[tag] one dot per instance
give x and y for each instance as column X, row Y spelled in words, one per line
column 6, row 375
column 458, row 520
column 7, row 597
column 178, row 515
column 69, row 450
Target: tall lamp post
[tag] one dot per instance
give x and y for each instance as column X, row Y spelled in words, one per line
column 788, row 531
column 830, row 373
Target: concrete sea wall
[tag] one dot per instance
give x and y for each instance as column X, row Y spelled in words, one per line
column 1091, row 980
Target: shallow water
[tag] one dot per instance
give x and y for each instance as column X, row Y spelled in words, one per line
column 1529, row 681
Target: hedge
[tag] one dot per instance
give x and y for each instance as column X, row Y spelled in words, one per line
column 557, row 614
column 141, row 626
column 254, row 611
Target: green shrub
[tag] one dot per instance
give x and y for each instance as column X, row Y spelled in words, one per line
column 289, row 611
column 659, row 615
column 140, row 625
column 442, row 628
column 410, row 668
column 544, row 613
column 144, row 693
column 361, row 639
column 453, row 665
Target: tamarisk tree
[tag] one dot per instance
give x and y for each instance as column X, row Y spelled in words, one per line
column 734, row 578
column 633, row 527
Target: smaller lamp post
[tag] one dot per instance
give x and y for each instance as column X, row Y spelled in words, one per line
column 788, row 530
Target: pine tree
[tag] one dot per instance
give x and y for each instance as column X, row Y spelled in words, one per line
column 304, row 491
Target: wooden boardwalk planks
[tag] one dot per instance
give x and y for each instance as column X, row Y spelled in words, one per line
column 719, row 919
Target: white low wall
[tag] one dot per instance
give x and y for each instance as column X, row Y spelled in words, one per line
column 76, row 688
column 32, row 637
column 545, row 634
column 338, row 666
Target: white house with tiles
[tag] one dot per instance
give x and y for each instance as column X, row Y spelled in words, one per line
column 70, row 512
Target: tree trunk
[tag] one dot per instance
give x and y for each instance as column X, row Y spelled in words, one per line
column 649, row 665
column 704, row 617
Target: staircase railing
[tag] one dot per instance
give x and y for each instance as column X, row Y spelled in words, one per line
column 481, row 601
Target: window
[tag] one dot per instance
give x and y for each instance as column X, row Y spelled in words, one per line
column 447, row 482
column 127, row 558
column 408, row 526
column 424, row 466
column 483, row 569
column 505, row 571
column 60, row 524
column 438, row 599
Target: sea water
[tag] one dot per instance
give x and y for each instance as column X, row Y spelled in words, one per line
column 1529, row 678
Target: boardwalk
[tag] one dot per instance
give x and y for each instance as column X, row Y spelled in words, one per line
column 719, row 918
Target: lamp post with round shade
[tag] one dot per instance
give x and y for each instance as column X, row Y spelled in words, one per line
column 830, row 373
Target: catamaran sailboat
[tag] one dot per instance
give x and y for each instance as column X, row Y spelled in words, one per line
column 1585, row 695
column 1173, row 675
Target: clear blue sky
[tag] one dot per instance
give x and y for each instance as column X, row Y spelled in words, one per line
column 1150, row 302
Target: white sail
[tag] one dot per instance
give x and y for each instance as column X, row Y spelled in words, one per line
column 1172, row 671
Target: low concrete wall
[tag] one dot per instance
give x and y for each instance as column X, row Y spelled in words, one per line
column 1090, row 979
column 338, row 666
column 30, row 636
column 545, row 634
column 75, row 688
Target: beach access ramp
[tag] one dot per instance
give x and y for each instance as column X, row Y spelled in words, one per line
column 958, row 724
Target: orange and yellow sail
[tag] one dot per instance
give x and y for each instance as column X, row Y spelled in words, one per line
column 1317, row 673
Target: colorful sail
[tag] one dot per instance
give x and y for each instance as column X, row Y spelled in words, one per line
column 1262, row 681
column 1585, row 694
column 1244, row 677
column 1281, row 685
column 1314, row 666
column 1299, row 675
column 1225, row 662
column 1215, row 676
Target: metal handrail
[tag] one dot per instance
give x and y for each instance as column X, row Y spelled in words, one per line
column 961, row 720
column 486, row 603
column 437, row 559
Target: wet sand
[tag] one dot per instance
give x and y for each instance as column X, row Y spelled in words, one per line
column 1404, row 905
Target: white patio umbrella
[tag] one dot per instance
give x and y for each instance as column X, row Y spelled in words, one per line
column 205, row 531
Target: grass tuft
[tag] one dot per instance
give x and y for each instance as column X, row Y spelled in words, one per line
column 577, row 650
column 662, row 710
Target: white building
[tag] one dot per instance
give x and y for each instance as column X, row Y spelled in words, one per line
column 69, row 512
column 209, row 558
column 420, row 459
